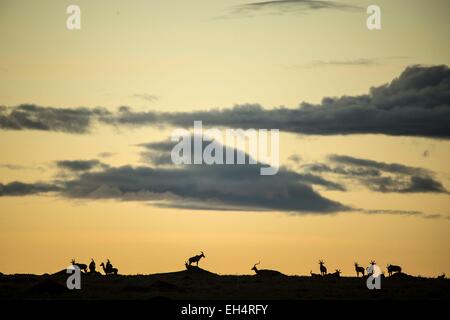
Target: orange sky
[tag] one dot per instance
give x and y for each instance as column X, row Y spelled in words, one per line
column 199, row 56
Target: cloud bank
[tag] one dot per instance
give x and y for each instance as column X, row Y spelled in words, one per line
column 417, row 104
column 380, row 176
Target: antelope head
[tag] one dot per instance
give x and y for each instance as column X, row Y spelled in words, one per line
column 372, row 262
column 202, row 254
column 254, row 266
column 321, row 262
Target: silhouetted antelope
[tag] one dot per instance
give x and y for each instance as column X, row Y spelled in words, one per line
column 82, row 266
column 323, row 269
column 92, row 266
column 393, row 268
column 265, row 272
column 315, row 275
column 335, row 274
column 442, row 276
column 196, row 258
column 370, row 270
column 359, row 269
column 109, row 269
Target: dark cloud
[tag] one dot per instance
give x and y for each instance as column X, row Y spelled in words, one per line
column 417, row 103
column 404, row 213
column 79, row 165
column 17, row 188
column 221, row 187
column 33, row 117
column 381, row 176
column 158, row 154
column 238, row 187
column 292, row 6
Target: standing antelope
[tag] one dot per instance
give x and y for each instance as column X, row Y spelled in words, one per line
column 82, row 266
column 196, row 258
column 323, row 269
column 92, row 266
column 266, row 272
column 393, row 268
column 371, row 270
column 359, row 269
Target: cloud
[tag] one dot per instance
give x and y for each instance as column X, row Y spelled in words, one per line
column 381, row 176
column 158, row 154
column 17, row 188
column 417, row 104
column 106, row 154
column 292, row 6
column 223, row 187
column 238, row 187
column 355, row 62
column 33, row 117
column 80, row 165
column 145, row 96
column 12, row 166
column 404, row 213
column 219, row 187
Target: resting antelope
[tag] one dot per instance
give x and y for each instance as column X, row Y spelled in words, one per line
column 315, row 275
column 82, row 266
column 196, row 258
column 442, row 276
column 323, row 269
column 393, row 268
column 335, row 274
column 265, row 272
column 109, row 269
column 359, row 269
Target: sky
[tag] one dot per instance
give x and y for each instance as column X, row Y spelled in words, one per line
column 86, row 116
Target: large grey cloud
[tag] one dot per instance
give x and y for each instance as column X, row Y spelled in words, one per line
column 381, row 176
column 220, row 187
column 417, row 103
column 158, row 154
column 232, row 187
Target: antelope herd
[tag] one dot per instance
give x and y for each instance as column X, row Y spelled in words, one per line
column 109, row 269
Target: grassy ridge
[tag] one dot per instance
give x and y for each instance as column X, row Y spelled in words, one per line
column 205, row 285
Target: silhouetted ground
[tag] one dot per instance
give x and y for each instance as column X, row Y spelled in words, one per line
column 201, row 284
